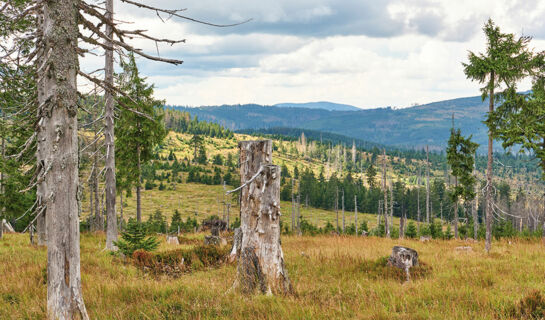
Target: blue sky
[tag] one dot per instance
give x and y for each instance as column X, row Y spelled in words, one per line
column 367, row 53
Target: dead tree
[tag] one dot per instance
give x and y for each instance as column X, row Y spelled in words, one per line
column 342, row 200
column 356, row 212
column 58, row 151
column 111, row 216
column 427, row 185
column 418, row 201
column 475, row 205
column 261, row 264
column 336, row 207
column 385, row 211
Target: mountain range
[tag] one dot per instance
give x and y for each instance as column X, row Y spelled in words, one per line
column 412, row 127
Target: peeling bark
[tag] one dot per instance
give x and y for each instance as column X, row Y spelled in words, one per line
column 111, row 217
column 261, row 264
column 58, row 157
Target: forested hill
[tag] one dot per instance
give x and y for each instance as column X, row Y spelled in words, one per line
column 412, row 127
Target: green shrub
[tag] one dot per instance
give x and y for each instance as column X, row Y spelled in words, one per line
column 135, row 238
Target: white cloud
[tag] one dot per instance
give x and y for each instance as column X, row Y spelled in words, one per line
column 361, row 52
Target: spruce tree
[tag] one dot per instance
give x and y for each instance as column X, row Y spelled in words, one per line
column 460, row 157
column 138, row 130
column 502, row 64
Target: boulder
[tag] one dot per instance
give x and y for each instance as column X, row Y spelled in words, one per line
column 425, row 238
column 403, row 258
column 212, row 240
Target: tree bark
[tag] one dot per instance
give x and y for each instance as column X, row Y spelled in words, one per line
column 2, row 154
column 58, row 153
column 138, row 186
column 336, row 209
column 488, row 241
column 427, row 185
column 418, row 201
column 475, row 206
column 456, row 210
column 385, row 211
column 356, row 212
column 121, row 219
column 111, row 216
column 261, row 264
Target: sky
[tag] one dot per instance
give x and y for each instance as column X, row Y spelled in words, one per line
column 367, row 53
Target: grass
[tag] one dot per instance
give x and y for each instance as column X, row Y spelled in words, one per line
column 331, row 276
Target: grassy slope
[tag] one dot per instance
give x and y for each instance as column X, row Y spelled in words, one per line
column 328, row 280
column 189, row 198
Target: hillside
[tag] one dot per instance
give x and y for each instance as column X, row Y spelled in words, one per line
column 319, row 105
column 412, row 127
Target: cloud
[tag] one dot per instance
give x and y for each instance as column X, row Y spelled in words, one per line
column 363, row 52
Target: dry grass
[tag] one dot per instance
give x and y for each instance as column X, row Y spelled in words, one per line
column 327, row 273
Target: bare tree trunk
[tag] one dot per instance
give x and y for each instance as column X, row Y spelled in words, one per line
column 488, row 241
column 475, row 206
column 3, row 155
column 298, row 213
column 336, row 207
column 111, row 216
column 391, row 225
column 402, row 222
column 292, row 205
column 58, row 151
column 94, row 178
column 427, row 185
column 342, row 205
column 261, row 263
column 418, row 201
column 456, row 210
column 121, row 219
column 138, row 187
column 356, row 212
column 385, row 211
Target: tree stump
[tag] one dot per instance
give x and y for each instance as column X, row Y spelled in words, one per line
column 403, row 258
column 261, row 262
column 173, row 240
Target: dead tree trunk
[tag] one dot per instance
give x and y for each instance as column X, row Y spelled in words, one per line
column 385, row 211
column 391, row 207
column 96, row 220
column 2, row 154
column 111, row 216
column 292, row 205
column 58, row 154
column 139, row 187
column 427, row 185
column 356, row 212
column 336, row 207
column 475, row 206
column 342, row 206
column 456, row 210
column 299, row 214
column 418, row 201
column 261, row 264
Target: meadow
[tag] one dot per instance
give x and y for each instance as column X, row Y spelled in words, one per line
column 330, row 274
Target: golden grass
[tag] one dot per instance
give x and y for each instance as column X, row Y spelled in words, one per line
column 326, row 272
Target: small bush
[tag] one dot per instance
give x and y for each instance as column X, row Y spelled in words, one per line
column 134, row 238
column 176, row 262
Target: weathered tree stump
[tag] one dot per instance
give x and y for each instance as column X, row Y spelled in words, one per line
column 261, row 262
column 403, row 258
column 172, row 240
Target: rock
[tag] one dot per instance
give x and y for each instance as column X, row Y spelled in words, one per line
column 464, row 249
column 172, row 240
column 403, row 258
column 425, row 239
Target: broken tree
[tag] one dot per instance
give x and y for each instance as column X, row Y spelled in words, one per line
column 261, row 263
